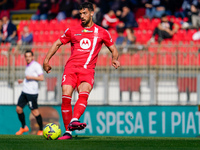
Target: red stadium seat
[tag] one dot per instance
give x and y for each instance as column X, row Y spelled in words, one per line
column 152, row 59
column 152, row 49
column 125, row 60
column 56, row 61
column 180, row 35
column 3, row 60
column 129, row 84
column 36, row 36
column 20, row 61
column 65, row 58
column 103, row 60
column 192, row 59
column 19, row 5
column 154, row 23
column 53, row 25
column 40, row 58
column 190, row 34
column 143, row 23
column 140, row 12
column 22, row 24
column 178, row 21
column 139, row 59
column 64, row 24
column 34, row 25
column 43, row 25
column 51, row 83
column 187, row 83
column 167, row 59
column 183, row 59
column 168, row 49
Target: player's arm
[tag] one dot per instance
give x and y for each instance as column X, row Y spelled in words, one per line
column 50, row 53
column 115, row 56
column 38, row 78
column 160, row 27
column 175, row 29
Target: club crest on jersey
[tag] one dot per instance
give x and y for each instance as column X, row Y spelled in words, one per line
column 85, row 43
column 87, row 31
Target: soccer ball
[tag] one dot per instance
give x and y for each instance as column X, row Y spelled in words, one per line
column 51, row 131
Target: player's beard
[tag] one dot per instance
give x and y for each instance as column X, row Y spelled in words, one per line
column 86, row 22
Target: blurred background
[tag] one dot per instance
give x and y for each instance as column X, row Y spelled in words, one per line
column 158, row 42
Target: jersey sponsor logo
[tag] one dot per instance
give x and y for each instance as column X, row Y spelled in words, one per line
column 85, row 43
column 87, row 31
column 77, row 34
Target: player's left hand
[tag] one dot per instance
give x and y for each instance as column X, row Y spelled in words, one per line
column 115, row 63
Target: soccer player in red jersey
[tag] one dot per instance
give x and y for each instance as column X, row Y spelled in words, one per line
column 86, row 41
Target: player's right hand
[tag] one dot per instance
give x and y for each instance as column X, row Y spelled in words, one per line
column 47, row 67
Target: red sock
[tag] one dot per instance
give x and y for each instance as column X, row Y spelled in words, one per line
column 80, row 105
column 66, row 109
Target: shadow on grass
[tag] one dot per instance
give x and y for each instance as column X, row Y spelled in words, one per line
column 76, row 137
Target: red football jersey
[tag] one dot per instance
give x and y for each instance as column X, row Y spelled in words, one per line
column 85, row 45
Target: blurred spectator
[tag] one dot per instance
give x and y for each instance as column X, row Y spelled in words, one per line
column 195, row 16
column 6, row 4
column 127, row 17
column 42, row 11
column 173, row 7
column 155, row 8
column 109, row 20
column 186, row 6
column 104, row 5
column 1, row 27
column 75, row 12
column 165, row 29
column 97, row 17
column 141, row 3
column 25, row 41
column 54, row 9
column 119, row 4
column 196, row 36
column 9, row 32
column 122, row 40
column 65, row 9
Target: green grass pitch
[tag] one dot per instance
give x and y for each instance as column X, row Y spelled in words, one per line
column 33, row 142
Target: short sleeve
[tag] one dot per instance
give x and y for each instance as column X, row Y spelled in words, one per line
column 39, row 70
column 66, row 37
column 107, row 39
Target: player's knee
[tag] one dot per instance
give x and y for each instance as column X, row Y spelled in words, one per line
column 35, row 112
column 19, row 110
column 84, row 87
column 67, row 90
